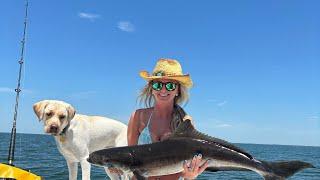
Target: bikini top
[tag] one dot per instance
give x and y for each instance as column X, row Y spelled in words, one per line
column 145, row 135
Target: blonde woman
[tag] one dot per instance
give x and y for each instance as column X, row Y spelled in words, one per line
column 166, row 88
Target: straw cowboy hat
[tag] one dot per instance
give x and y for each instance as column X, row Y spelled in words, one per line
column 168, row 69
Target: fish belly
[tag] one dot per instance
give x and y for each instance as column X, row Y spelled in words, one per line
column 165, row 170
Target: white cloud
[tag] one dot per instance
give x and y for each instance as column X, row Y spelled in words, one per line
column 222, row 103
column 89, row 16
column 217, row 102
column 212, row 100
column 213, row 123
column 83, row 95
column 10, row 90
column 126, row 26
column 314, row 117
column 223, row 126
column 27, row 91
column 6, row 90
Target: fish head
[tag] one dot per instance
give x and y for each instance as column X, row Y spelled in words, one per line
column 111, row 157
column 100, row 158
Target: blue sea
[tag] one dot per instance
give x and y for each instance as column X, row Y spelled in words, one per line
column 39, row 154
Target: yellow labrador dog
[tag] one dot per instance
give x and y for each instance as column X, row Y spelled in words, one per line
column 79, row 135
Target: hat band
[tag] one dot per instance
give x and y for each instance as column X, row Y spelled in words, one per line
column 162, row 73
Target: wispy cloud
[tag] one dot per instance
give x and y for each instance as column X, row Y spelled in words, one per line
column 126, row 26
column 212, row 100
column 217, row 102
column 89, row 16
column 220, row 104
column 27, row 91
column 6, row 90
column 83, row 95
column 313, row 118
column 223, row 125
column 214, row 123
column 11, row 90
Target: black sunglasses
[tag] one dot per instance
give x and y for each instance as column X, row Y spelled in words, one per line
column 170, row 86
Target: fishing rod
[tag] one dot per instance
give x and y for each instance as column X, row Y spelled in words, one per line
column 8, row 171
column 18, row 90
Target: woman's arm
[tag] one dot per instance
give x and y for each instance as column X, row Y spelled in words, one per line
column 133, row 129
column 132, row 136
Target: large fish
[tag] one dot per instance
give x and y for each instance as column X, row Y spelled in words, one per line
column 167, row 157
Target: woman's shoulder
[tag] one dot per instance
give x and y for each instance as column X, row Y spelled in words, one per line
column 142, row 115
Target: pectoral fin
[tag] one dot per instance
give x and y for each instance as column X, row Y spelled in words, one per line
column 138, row 175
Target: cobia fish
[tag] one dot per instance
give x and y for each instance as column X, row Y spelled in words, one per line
column 167, row 157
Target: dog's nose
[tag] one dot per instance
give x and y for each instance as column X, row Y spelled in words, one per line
column 53, row 128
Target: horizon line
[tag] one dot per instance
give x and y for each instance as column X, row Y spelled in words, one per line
column 317, row 146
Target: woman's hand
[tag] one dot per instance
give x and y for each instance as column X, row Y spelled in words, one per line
column 194, row 168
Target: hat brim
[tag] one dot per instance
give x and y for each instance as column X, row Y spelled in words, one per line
column 183, row 79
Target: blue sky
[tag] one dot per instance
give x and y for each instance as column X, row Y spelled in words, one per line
column 255, row 64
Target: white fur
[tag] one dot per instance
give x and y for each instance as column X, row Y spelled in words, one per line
column 85, row 135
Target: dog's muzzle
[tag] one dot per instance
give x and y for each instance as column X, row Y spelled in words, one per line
column 53, row 129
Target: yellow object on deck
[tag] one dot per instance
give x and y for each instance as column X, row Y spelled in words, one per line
column 7, row 171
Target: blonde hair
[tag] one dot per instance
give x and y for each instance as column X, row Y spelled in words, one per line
column 148, row 100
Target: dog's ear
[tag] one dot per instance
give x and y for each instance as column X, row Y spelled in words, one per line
column 71, row 112
column 39, row 108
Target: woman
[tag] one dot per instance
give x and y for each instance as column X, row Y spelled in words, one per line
column 166, row 88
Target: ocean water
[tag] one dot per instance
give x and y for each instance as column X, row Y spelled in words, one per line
column 39, row 154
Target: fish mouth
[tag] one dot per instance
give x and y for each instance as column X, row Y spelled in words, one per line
column 96, row 160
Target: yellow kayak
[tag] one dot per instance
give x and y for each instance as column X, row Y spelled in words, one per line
column 7, row 171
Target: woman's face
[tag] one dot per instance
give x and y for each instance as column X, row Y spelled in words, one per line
column 164, row 90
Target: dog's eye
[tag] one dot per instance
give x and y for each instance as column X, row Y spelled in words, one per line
column 49, row 114
column 62, row 117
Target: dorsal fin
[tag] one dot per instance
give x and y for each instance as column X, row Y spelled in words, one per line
column 186, row 129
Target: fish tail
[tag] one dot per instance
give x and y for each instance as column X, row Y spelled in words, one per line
column 284, row 169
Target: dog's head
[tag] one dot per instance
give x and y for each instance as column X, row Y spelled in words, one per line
column 56, row 115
